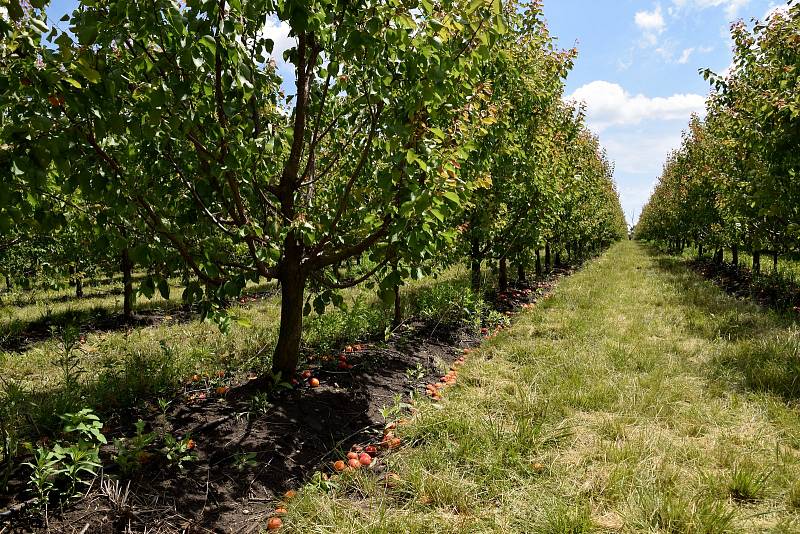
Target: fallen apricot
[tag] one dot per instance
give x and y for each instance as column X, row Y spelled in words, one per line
column 222, row 390
column 351, row 455
column 290, row 494
column 306, row 374
column 339, row 465
column 354, row 463
column 365, row 459
column 313, row 382
column 370, row 449
column 274, row 523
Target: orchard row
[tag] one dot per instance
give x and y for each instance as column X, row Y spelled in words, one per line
column 388, row 140
column 733, row 184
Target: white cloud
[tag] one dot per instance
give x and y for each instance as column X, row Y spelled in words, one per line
column 685, row 55
column 651, row 23
column 608, row 104
column 278, row 31
column 732, row 7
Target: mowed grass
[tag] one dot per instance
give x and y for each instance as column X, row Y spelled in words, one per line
column 639, row 398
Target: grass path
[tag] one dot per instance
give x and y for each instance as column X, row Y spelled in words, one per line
column 639, row 398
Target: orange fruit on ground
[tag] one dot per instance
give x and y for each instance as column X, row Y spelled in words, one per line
column 274, row 523
column 290, row 494
column 370, row 449
column 365, row 459
column 354, row 463
column 280, row 511
column 339, row 465
column 222, row 390
column 190, row 444
column 306, row 374
column 351, row 455
column 394, row 443
column 313, row 382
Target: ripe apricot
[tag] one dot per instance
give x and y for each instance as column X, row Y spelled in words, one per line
column 306, row 374
column 313, row 382
column 274, row 523
column 370, row 449
column 351, row 455
column 365, row 459
column 339, row 465
column 354, row 463
column 290, row 494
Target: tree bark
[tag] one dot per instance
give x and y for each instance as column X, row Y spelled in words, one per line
column 292, row 280
column 502, row 278
column 538, row 262
column 775, row 262
column 548, row 263
column 735, row 255
column 8, row 282
column 558, row 258
column 476, row 266
column 521, row 278
column 127, row 284
column 757, row 262
column 719, row 256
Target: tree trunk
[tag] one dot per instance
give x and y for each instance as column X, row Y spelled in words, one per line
column 127, row 284
column 757, row 262
column 521, row 273
column 558, row 258
column 8, row 282
column 476, row 266
column 774, row 262
column 538, row 262
column 502, row 278
column 719, row 256
column 292, row 280
column 735, row 255
column 700, row 251
column 548, row 263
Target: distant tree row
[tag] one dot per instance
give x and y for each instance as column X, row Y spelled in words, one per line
column 735, row 181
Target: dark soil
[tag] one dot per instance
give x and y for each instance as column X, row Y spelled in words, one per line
column 251, row 447
column 771, row 290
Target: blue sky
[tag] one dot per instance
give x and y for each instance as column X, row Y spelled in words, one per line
column 637, row 72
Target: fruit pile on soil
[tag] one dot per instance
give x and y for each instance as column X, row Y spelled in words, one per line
column 251, row 447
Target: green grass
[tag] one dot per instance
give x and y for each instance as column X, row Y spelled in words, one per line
column 120, row 369
column 639, row 398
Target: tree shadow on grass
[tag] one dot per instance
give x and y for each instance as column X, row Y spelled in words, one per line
column 759, row 348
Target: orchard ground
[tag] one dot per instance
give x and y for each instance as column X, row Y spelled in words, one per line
column 639, row 398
